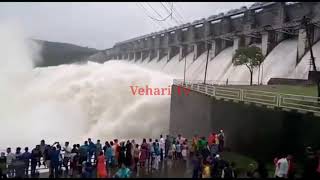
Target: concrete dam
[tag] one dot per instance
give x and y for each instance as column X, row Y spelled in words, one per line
column 275, row 27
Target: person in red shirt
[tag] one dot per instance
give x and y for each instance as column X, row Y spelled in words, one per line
column 291, row 169
column 212, row 139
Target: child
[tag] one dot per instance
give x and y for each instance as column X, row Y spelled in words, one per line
column 170, row 152
column 123, row 172
column 174, row 152
column 206, row 173
column 178, row 150
column 184, row 150
column 87, row 170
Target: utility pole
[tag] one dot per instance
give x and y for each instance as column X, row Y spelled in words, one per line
column 306, row 23
column 184, row 71
column 205, row 73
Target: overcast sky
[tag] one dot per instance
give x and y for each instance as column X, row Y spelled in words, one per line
column 101, row 24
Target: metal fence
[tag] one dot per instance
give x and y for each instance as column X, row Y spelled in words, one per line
column 288, row 101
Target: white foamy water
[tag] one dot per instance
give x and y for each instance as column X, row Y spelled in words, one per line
column 74, row 102
column 302, row 69
column 281, row 61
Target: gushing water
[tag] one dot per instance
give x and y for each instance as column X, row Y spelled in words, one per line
column 74, row 102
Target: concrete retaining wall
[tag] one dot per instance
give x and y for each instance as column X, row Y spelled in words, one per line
column 259, row 132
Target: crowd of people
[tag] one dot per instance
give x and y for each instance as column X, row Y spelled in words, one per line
column 92, row 159
column 285, row 166
column 126, row 157
column 206, row 159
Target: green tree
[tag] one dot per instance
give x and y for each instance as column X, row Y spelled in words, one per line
column 251, row 57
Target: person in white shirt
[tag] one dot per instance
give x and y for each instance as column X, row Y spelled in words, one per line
column 282, row 167
column 180, row 139
column 67, row 156
column 162, row 147
column 10, row 158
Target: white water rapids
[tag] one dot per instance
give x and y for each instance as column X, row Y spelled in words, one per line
column 74, row 102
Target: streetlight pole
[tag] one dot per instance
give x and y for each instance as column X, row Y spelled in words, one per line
column 205, row 73
column 184, row 71
column 306, row 23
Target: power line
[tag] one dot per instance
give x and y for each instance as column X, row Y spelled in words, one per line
column 154, row 10
column 177, row 12
column 163, row 20
column 169, row 12
column 156, row 18
column 153, row 20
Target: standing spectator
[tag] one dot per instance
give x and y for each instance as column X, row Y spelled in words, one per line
column 197, row 166
column 55, row 153
column 101, row 167
column 212, row 143
column 144, row 152
column 67, row 157
column 282, row 167
column 174, row 150
column 261, row 170
column 291, row 167
column 149, row 152
column 133, row 144
column 42, row 147
column 98, row 149
column 108, row 153
column 184, row 151
column 84, row 149
column 167, row 146
column 26, row 156
column 117, row 151
column 18, row 164
column 310, row 164
column 180, row 139
column 113, row 153
column 74, row 149
column 35, row 155
column 60, row 162
column 10, row 158
column 122, row 154
column 47, row 155
column 202, row 144
column 156, row 155
column 91, row 149
column 221, row 140
column 162, row 147
column 136, row 153
column 3, row 166
column 227, row 171
column 211, row 139
column 178, row 150
column 76, row 166
column 194, row 143
column 128, row 150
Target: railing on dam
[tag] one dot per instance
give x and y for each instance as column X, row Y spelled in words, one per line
column 280, row 100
